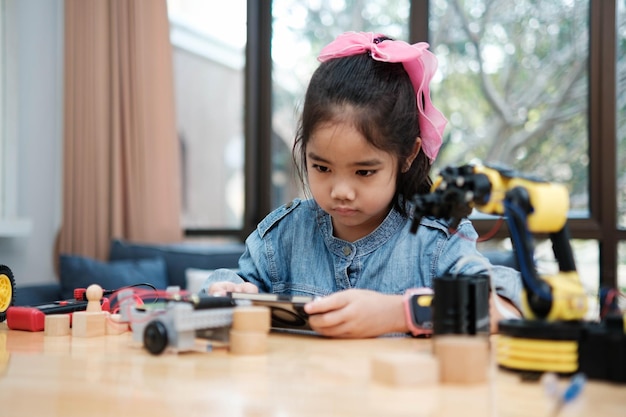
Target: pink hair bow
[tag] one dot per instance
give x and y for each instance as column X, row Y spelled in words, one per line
column 418, row 62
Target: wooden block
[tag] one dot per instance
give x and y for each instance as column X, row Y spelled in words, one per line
column 405, row 369
column 114, row 325
column 252, row 319
column 88, row 324
column 94, row 294
column 462, row 359
column 56, row 325
column 248, row 343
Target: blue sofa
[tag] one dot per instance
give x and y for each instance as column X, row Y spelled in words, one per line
column 131, row 263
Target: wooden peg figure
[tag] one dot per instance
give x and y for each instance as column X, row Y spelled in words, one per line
column 94, row 296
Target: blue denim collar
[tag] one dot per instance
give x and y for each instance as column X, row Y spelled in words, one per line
column 367, row 244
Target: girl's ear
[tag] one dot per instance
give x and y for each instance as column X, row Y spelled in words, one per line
column 409, row 160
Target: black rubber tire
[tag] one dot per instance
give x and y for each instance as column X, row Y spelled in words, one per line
column 155, row 337
column 7, row 291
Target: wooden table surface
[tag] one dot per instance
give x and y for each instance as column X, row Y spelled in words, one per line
column 299, row 376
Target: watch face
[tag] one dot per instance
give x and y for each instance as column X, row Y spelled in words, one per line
column 421, row 310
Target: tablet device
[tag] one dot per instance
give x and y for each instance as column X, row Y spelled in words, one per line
column 287, row 311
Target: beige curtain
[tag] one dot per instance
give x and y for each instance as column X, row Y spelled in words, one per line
column 121, row 157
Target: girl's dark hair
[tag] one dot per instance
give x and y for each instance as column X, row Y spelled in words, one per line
column 380, row 101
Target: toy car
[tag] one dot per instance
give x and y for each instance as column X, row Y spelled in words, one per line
column 175, row 319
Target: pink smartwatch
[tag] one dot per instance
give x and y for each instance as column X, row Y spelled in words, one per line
column 418, row 311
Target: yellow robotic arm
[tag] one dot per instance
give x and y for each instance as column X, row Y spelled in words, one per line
column 529, row 206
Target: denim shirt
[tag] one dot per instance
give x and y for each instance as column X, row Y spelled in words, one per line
column 293, row 251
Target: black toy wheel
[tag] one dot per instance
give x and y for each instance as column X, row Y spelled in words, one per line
column 155, row 337
column 7, row 291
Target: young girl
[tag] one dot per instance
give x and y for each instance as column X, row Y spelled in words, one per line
column 367, row 138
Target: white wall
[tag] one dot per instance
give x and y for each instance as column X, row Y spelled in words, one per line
column 39, row 25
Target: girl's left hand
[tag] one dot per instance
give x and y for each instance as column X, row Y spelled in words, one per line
column 357, row 314
column 495, row 311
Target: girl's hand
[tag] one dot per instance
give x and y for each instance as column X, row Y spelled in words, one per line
column 357, row 314
column 223, row 287
column 495, row 313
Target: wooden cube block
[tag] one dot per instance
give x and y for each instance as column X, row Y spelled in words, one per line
column 56, row 325
column 462, row 359
column 88, row 324
column 405, row 369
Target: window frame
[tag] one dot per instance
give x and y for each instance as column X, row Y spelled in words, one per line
column 601, row 225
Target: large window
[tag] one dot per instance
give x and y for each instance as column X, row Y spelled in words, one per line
column 2, row 107
column 209, row 59
column 514, row 86
column 536, row 85
column 11, row 223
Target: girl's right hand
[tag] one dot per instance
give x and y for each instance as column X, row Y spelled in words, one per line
column 221, row 288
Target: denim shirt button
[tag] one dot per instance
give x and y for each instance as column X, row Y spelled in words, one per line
column 346, row 250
